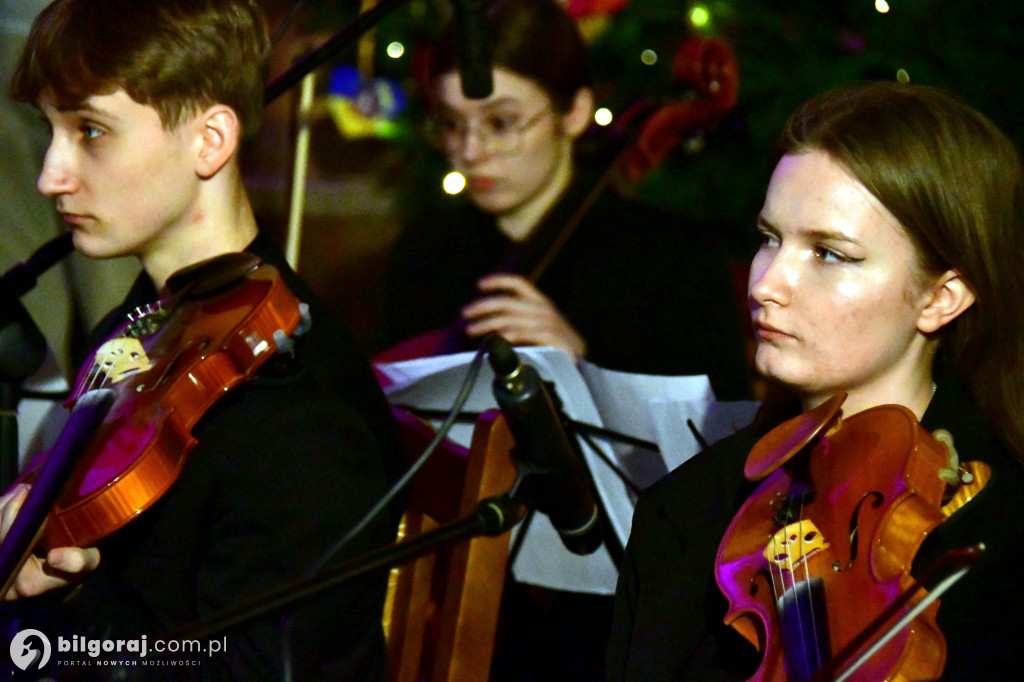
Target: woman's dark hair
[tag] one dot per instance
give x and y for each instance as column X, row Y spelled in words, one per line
column 531, row 38
column 954, row 181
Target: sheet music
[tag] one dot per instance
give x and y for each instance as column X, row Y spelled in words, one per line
column 650, row 408
column 40, row 421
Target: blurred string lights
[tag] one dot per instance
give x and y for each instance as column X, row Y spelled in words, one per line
column 700, row 17
column 363, row 106
column 700, row 21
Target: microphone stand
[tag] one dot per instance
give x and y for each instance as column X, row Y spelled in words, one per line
column 22, row 345
column 492, row 516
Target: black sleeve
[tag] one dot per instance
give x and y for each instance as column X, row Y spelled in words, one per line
column 645, row 641
column 304, row 475
column 668, row 609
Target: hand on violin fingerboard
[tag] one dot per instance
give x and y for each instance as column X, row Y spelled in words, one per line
column 61, row 567
column 516, row 309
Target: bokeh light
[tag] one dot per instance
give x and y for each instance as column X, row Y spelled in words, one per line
column 699, row 16
column 454, row 182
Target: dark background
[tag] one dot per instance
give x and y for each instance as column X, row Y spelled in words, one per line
column 359, row 189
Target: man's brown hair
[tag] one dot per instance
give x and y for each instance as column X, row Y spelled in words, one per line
column 178, row 56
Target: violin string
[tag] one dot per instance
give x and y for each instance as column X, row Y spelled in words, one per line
column 96, row 377
column 809, row 595
column 100, row 375
column 779, row 584
column 85, row 383
column 97, row 371
column 795, row 591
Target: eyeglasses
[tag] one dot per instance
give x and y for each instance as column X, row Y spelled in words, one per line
column 499, row 133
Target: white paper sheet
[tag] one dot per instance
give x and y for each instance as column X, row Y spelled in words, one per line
column 40, row 421
column 649, row 408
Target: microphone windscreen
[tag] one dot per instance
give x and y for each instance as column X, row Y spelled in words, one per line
column 474, row 48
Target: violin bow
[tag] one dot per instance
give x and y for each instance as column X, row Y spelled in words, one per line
column 942, row 575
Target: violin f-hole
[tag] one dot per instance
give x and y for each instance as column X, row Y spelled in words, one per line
column 876, row 499
column 197, row 345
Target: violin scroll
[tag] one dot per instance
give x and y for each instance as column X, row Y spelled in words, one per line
column 709, row 66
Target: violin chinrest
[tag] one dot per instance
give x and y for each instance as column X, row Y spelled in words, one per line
column 785, row 440
column 213, row 274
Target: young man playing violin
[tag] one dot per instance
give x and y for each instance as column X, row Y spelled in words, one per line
column 889, row 271
column 147, row 102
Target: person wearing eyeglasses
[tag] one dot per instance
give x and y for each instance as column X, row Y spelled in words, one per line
column 632, row 288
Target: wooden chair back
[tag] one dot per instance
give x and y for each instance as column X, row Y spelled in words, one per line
column 441, row 614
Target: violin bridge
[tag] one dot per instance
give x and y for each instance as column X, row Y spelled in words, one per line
column 793, row 544
column 120, row 358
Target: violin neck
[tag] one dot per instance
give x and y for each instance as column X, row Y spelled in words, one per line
column 50, row 479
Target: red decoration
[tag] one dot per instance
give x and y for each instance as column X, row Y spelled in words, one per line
column 590, row 8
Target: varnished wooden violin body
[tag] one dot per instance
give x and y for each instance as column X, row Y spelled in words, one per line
column 821, row 552
column 166, row 367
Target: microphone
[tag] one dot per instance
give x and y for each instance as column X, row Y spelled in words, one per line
column 474, row 48
column 553, row 477
column 22, row 277
column 22, row 345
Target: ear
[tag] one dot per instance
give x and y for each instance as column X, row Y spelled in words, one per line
column 219, row 134
column 578, row 118
column 951, row 294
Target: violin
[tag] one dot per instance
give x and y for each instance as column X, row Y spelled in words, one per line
column 816, row 563
column 135, row 405
column 643, row 136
